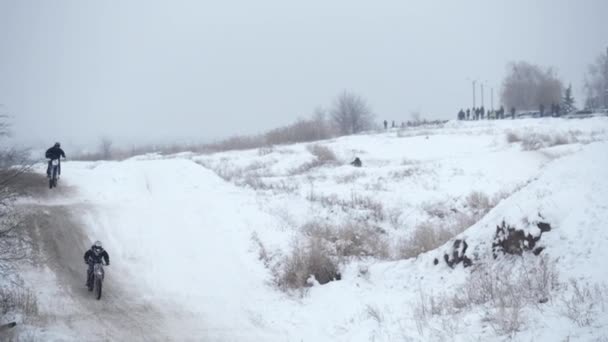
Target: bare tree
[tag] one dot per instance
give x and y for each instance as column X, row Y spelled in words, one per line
column 13, row 164
column 351, row 114
column 4, row 126
column 105, row 148
column 527, row 86
column 415, row 115
column 596, row 82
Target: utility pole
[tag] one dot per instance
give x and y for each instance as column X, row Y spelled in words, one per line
column 474, row 93
column 492, row 97
column 481, row 83
column 606, row 80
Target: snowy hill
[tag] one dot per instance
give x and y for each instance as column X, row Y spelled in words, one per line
column 202, row 246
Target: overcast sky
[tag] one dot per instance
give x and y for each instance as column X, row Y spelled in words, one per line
column 141, row 71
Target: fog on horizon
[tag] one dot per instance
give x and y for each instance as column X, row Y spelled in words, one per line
column 165, row 71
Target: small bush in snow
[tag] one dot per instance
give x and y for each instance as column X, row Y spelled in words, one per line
column 513, row 138
column 323, row 153
column 502, row 291
column 535, row 141
column 404, row 173
column 374, row 313
column 320, row 249
column 584, row 303
column 17, row 300
column 366, row 207
column 349, row 177
column 350, row 239
column 265, row 150
column 424, row 238
column 479, row 203
column 308, row 258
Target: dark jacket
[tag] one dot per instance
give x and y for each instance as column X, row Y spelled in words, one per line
column 54, row 153
column 91, row 257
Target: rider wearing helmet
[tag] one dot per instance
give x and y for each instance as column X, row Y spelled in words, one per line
column 95, row 255
column 54, row 153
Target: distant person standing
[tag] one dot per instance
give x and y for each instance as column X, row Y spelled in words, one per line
column 385, row 124
column 512, row 112
column 468, row 113
column 54, row 153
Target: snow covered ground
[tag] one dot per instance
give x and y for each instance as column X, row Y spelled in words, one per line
column 185, row 234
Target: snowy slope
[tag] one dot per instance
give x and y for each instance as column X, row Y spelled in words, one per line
column 179, row 228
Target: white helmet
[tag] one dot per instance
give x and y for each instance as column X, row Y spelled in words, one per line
column 97, row 244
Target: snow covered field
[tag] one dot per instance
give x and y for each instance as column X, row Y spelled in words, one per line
column 201, row 241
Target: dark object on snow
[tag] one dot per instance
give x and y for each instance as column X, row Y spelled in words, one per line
column 435, row 261
column 458, row 255
column 7, row 326
column 544, row 227
column 509, row 240
column 356, row 162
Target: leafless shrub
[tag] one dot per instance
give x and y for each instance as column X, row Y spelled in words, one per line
column 350, row 239
column 394, row 214
column 237, row 143
column 265, row 150
column 263, row 254
column 512, row 137
column 506, row 320
column 436, row 209
column 536, row 141
column 378, row 184
column 540, row 280
column 349, row 178
column 444, row 224
column 223, row 169
column 308, row 258
column 502, row 291
column 304, row 130
column 18, row 300
column 323, row 153
column 479, row 203
column 373, row 207
column 319, row 250
column 14, row 164
column 374, row 313
column 585, row 302
column 424, row 238
column 13, row 243
column 404, row 173
column 406, row 162
column 532, row 284
column 367, row 207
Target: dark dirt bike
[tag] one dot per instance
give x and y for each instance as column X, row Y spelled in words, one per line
column 96, row 279
column 54, row 173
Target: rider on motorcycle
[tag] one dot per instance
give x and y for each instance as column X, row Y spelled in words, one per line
column 94, row 256
column 54, row 153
